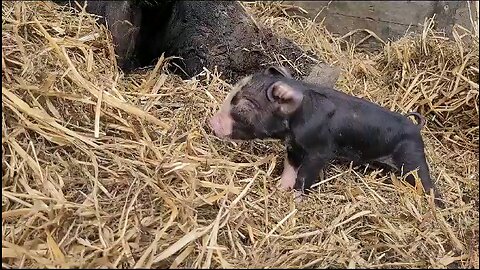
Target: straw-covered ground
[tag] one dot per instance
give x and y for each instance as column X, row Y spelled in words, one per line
column 100, row 169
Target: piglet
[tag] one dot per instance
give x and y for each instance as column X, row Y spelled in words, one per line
column 318, row 125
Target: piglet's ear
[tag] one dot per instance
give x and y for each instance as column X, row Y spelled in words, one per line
column 278, row 71
column 286, row 97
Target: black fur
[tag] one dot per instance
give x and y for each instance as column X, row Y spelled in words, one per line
column 331, row 125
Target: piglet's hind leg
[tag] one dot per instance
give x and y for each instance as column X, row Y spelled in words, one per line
column 411, row 156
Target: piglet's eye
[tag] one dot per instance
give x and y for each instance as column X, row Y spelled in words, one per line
column 235, row 99
column 249, row 103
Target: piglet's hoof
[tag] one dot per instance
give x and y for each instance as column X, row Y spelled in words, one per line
column 298, row 196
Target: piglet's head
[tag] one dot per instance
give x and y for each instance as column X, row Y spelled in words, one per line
column 259, row 106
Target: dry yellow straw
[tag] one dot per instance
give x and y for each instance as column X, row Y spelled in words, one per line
column 103, row 169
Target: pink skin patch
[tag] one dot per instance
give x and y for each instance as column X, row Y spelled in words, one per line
column 289, row 175
column 222, row 122
column 288, row 178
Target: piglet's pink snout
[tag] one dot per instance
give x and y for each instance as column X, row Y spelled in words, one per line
column 221, row 124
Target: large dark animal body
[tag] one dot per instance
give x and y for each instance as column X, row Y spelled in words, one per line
column 211, row 34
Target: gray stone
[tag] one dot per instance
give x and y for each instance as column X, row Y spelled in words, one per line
column 323, row 75
column 390, row 20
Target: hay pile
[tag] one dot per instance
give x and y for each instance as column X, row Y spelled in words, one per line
column 100, row 169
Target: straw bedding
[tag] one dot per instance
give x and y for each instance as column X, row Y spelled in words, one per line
column 102, row 169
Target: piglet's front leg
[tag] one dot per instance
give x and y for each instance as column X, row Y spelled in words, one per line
column 289, row 175
column 291, row 164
